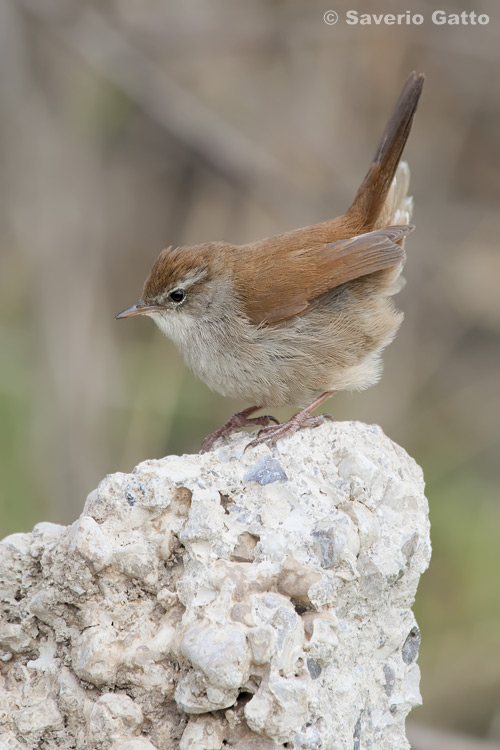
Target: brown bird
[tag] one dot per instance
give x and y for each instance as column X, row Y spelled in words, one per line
column 288, row 320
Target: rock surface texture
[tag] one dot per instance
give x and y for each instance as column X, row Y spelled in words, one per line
column 249, row 600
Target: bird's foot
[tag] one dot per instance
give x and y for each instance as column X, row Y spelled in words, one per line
column 273, row 433
column 304, row 418
column 241, row 419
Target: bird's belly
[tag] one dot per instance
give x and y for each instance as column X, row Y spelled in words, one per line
column 275, row 373
column 248, row 365
column 336, row 346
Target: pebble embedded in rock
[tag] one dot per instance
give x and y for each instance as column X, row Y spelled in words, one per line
column 411, row 645
column 266, row 471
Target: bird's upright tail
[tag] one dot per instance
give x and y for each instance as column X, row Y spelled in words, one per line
column 381, row 198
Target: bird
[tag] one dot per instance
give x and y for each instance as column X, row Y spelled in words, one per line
column 289, row 320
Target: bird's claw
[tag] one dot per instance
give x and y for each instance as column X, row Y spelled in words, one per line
column 271, row 434
column 242, row 419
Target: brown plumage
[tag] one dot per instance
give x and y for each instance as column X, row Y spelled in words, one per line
column 289, row 319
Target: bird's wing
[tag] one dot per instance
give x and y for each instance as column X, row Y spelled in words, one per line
column 271, row 295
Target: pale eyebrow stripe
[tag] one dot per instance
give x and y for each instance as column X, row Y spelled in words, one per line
column 192, row 278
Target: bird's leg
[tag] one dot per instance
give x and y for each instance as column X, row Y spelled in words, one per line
column 241, row 419
column 302, row 419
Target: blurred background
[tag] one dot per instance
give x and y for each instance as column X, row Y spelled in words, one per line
column 128, row 126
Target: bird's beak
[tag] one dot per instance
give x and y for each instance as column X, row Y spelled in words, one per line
column 138, row 309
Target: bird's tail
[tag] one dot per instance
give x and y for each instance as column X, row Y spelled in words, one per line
column 382, row 194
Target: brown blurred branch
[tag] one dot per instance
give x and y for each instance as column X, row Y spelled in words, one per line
column 218, row 143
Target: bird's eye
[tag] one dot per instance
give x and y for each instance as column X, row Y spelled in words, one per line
column 177, row 295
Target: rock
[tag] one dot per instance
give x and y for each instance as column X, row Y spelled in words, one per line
column 266, row 471
column 203, row 733
column 113, row 717
column 221, row 653
column 96, row 655
column 337, row 540
column 38, row 718
column 411, row 645
column 13, row 552
column 239, row 599
column 14, row 638
column 88, row 541
column 279, row 708
column 138, row 743
column 195, row 695
column 245, row 549
column 296, row 579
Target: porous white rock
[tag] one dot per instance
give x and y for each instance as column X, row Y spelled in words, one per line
column 229, row 599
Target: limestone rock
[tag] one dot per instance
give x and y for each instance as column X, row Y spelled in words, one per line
column 230, row 599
